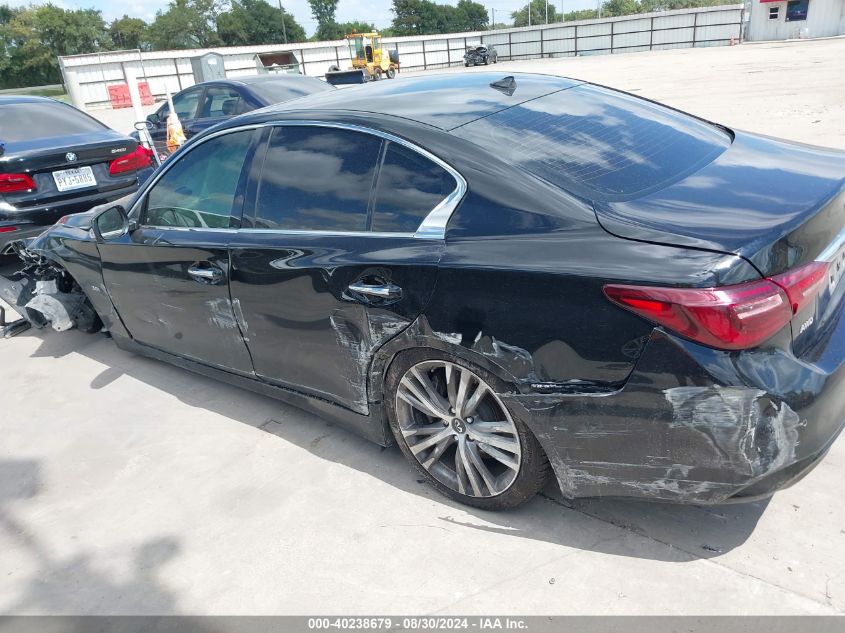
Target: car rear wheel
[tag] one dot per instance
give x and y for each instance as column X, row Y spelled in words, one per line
column 454, row 428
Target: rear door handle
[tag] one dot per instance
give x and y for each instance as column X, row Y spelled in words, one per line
column 206, row 273
column 384, row 291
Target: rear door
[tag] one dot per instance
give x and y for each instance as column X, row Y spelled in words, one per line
column 327, row 267
column 168, row 279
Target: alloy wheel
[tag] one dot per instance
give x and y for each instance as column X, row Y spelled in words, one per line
column 458, row 429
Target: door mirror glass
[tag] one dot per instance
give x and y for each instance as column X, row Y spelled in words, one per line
column 153, row 119
column 111, row 223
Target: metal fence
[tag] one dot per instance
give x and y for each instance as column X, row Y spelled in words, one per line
column 87, row 77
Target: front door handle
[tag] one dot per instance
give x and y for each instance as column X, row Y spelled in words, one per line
column 384, row 291
column 206, row 273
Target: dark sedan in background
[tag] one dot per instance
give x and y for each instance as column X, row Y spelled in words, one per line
column 204, row 105
column 56, row 160
column 477, row 55
column 509, row 277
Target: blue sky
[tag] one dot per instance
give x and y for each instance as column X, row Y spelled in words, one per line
column 375, row 11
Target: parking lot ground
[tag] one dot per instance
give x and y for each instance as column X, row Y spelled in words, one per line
column 128, row 486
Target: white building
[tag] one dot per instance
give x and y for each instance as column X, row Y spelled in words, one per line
column 787, row 19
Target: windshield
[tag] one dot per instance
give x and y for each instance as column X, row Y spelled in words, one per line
column 599, row 143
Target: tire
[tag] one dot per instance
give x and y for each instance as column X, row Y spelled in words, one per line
column 506, row 481
column 391, row 73
column 377, row 74
column 334, row 68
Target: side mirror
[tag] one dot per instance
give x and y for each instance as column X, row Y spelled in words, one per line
column 111, row 224
column 154, row 118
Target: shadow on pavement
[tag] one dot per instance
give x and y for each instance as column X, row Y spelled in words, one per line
column 675, row 533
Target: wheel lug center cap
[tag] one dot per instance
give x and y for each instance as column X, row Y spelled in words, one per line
column 459, row 425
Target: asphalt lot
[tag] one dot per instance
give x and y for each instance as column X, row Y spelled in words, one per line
column 129, row 486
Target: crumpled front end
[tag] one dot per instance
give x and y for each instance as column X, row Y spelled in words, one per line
column 693, row 425
column 43, row 293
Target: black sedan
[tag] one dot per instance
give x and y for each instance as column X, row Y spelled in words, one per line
column 207, row 104
column 56, row 160
column 476, row 55
column 513, row 277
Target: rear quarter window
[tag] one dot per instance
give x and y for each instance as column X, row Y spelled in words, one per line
column 599, row 143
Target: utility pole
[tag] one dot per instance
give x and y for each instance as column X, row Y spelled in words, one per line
column 599, row 9
column 529, row 12
column 547, row 11
column 493, row 26
column 562, row 14
column 284, row 29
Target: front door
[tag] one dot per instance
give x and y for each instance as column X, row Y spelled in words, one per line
column 169, row 278
column 327, row 267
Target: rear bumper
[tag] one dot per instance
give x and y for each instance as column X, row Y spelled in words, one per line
column 695, row 425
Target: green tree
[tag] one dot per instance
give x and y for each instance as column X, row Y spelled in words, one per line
column 251, row 22
column 129, row 32
column 423, row 17
column 613, row 8
column 471, row 16
column 581, row 14
column 335, row 31
column 324, row 12
column 186, row 24
column 538, row 13
column 32, row 38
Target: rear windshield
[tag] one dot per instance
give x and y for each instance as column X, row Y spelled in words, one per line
column 599, row 143
column 41, row 120
column 279, row 91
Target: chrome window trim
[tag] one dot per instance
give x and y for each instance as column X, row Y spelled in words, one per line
column 433, row 225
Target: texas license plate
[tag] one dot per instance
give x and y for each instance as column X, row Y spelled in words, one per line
column 78, row 178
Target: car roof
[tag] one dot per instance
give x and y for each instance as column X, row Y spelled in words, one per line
column 7, row 99
column 445, row 101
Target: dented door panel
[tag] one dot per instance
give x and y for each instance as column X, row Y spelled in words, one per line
column 304, row 326
column 148, row 277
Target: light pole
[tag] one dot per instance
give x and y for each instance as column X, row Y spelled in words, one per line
column 547, row 11
column 284, row 30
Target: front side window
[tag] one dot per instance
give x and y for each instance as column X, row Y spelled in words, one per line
column 221, row 102
column 185, row 105
column 409, row 187
column 316, row 179
column 201, row 190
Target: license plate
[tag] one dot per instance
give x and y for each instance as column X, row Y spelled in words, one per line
column 79, row 178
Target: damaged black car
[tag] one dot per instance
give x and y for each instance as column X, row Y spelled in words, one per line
column 514, row 278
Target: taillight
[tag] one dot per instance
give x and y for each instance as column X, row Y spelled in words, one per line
column 10, row 183
column 8, row 229
column 139, row 159
column 727, row 317
column 803, row 284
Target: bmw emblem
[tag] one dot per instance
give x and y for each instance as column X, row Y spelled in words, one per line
column 70, row 157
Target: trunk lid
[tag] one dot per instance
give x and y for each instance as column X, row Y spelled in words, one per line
column 777, row 204
column 42, row 157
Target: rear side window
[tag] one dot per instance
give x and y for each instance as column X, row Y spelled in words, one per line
column 316, row 179
column 201, row 189
column 40, row 120
column 599, row 143
column 221, row 102
column 409, row 187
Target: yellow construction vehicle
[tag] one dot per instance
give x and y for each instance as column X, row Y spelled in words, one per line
column 369, row 61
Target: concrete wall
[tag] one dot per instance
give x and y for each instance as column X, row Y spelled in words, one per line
column 825, row 18
column 87, row 77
